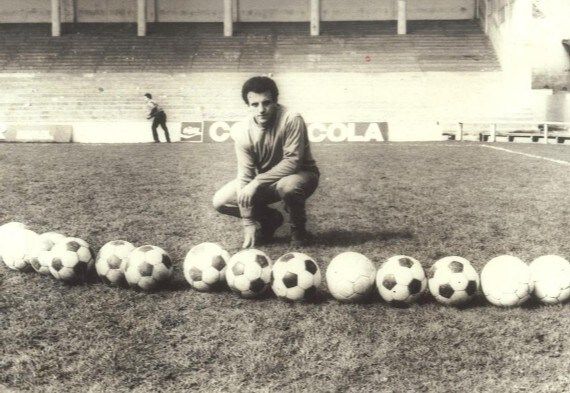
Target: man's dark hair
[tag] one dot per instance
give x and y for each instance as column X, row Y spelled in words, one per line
column 148, row 95
column 259, row 84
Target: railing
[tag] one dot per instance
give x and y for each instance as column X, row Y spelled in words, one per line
column 493, row 125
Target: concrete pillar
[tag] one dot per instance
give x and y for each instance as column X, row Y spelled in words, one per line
column 476, row 16
column 315, row 17
column 55, row 18
column 228, row 18
column 486, row 16
column 235, row 11
column 460, row 132
column 402, row 17
column 141, row 18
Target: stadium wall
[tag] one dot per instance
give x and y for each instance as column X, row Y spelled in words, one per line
column 507, row 22
column 109, row 11
column 551, row 59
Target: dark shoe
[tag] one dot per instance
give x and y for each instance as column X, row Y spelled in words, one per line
column 300, row 238
column 269, row 225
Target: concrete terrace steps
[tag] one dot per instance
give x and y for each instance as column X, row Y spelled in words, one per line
column 257, row 47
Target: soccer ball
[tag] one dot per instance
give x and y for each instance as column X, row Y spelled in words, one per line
column 72, row 260
column 249, row 273
column 6, row 232
column 506, row 281
column 38, row 255
column 350, row 276
column 148, row 267
column 205, row 266
column 41, row 261
column 296, row 276
column 12, row 226
column 453, row 281
column 551, row 278
column 17, row 245
column 401, row 280
column 111, row 260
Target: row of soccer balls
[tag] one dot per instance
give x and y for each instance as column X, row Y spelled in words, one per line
column 505, row 280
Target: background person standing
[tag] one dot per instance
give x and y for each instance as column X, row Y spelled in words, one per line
column 159, row 118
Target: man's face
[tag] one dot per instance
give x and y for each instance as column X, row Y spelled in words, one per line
column 262, row 107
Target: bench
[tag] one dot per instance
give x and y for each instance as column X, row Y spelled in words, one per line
column 534, row 137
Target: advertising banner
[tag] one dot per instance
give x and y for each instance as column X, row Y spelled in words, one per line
column 35, row 133
column 210, row 131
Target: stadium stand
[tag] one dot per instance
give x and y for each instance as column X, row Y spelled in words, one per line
column 354, row 71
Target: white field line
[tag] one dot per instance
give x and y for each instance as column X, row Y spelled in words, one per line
column 562, row 162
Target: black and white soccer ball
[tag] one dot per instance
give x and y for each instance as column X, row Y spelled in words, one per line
column 39, row 256
column 401, row 280
column 41, row 261
column 111, row 261
column 148, row 268
column 249, row 273
column 550, row 275
column 296, row 276
column 205, row 266
column 350, row 276
column 72, row 260
column 453, row 281
column 506, row 281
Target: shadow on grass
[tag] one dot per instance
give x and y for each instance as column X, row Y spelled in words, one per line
column 339, row 237
column 342, row 237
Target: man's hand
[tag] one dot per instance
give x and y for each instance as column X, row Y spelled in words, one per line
column 245, row 197
column 249, row 232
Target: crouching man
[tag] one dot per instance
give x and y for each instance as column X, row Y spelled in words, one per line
column 274, row 163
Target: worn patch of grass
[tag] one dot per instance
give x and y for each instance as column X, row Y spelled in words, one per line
column 426, row 200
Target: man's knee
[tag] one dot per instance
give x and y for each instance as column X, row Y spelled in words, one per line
column 290, row 191
column 218, row 201
column 224, row 197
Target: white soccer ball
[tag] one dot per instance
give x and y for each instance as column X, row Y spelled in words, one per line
column 12, row 226
column 72, row 260
column 16, row 246
column 205, row 266
column 148, row 267
column 350, row 276
column 453, row 281
column 111, row 261
column 249, row 273
column 550, row 275
column 401, row 280
column 506, row 281
column 6, row 232
column 296, row 276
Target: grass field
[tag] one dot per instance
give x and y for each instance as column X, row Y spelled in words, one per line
column 427, row 200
